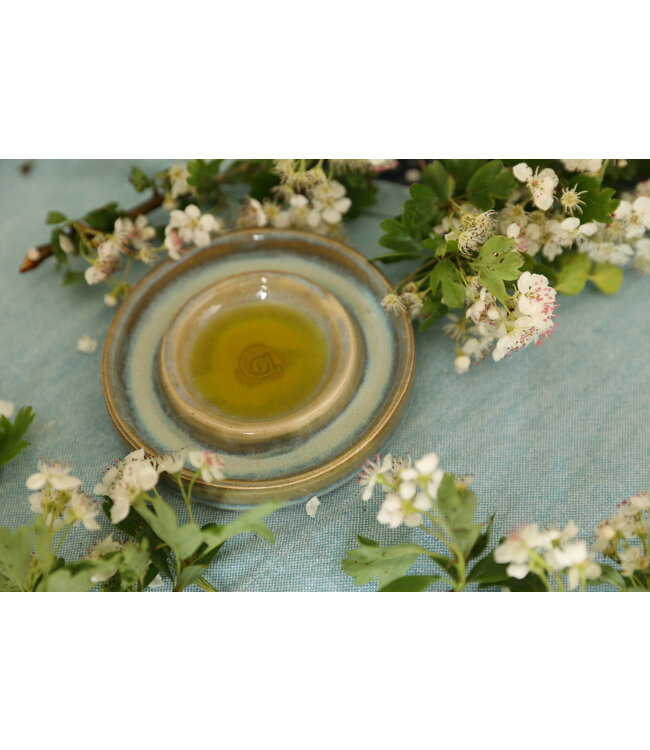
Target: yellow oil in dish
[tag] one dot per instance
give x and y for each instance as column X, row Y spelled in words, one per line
column 258, row 360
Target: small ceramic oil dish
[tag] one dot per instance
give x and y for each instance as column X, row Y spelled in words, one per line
column 268, row 346
column 260, row 359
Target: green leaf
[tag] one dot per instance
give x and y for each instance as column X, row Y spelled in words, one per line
column 462, row 170
column 420, row 211
column 395, row 257
column 202, row 174
column 134, row 564
column 360, row 190
column 411, row 583
column 189, row 575
column 67, row 579
column 55, row 217
column 436, row 244
column 458, row 505
column 15, row 558
column 72, row 277
column 104, row 218
column 432, row 309
column 247, row 522
column 393, row 242
column 573, row 274
column 487, row 573
column 57, row 250
column 609, row 574
column 139, row 179
column 372, row 561
column 437, row 178
column 136, row 527
column 600, row 203
column 607, row 278
column 447, row 276
column 497, row 262
column 184, row 540
column 482, row 542
column 366, row 542
column 262, row 184
column 12, row 433
column 490, row 183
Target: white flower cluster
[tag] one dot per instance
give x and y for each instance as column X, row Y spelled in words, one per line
column 410, row 300
column 541, row 184
column 528, row 319
column 624, row 537
column 616, row 242
column 189, row 227
column 125, row 481
column 590, row 166
column 546, row 552
column 409, row 489
column 128, row 236
column 320, row 209
column 59, row 499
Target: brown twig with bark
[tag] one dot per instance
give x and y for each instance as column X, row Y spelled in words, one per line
column 44, row 251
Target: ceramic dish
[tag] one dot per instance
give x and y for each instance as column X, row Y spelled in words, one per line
column 320, row 443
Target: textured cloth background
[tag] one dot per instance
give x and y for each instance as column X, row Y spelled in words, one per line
column 551, row 434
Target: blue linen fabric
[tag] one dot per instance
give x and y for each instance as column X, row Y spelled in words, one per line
column 551, row 434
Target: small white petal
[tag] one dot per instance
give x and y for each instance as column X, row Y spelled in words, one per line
column 311, row 506
column 6, row 409
column 86, row 345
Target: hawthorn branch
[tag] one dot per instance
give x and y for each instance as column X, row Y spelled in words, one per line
column 34, row 259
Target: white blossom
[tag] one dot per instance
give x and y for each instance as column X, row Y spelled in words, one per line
column 608, row 252
column 393, row 303
column 605, row 535
column 330, row 201
column 526, row 237
column 109, row 252
column 86, row 345
column 140, row 475
column 396, row 511
column 535, row 305
column 172, row 463
column 541, row 184
column 276, row 216
column 136, row 232
column 178, row 175
column 302, row 214
column 124, row 482
column 191, row 226
column 208, row 463
column 94, row 275
column 590, row 166
column 516, row 549
column 641, row 260
column 632, row 559
column 425, row 472
column 81, row 509
column 55, row 475
column 252, row 214
column 371, row 472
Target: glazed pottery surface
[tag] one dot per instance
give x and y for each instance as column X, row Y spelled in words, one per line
column 367, row 371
